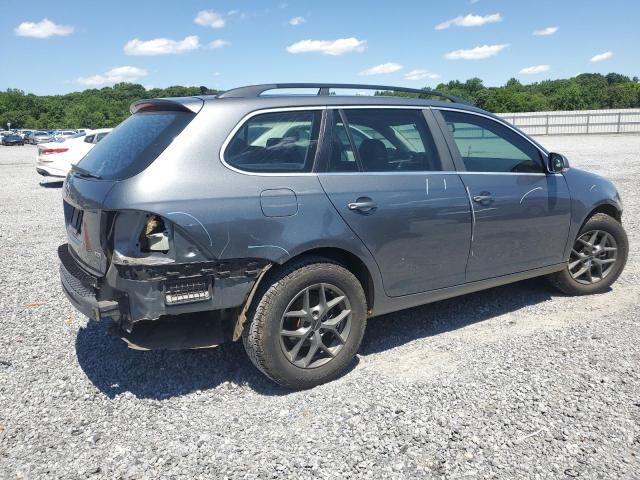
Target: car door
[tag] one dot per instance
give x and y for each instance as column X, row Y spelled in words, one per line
column 521, row 213
column 395, row 186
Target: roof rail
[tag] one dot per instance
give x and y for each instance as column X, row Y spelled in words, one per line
column 255, row 91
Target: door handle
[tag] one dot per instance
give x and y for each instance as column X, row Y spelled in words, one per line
column 364, row 205
column 482, row 199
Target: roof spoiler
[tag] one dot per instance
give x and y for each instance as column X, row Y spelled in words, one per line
column 179, row 104
column 254, row 91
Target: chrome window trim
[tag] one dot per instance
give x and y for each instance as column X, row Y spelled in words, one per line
column 440, row 172
column 248, row 117
column 322, row 108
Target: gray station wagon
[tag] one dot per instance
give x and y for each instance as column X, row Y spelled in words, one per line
column 295, row 218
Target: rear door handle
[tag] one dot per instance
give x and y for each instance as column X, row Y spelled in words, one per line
column 364, row 205
column 482, row 198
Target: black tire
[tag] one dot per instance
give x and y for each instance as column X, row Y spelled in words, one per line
column 262, row 334
column 565, row 282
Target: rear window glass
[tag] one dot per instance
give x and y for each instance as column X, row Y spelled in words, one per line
column 276, row 142
column 134, row 144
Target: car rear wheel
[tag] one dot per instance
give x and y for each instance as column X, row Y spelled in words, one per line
column 597, row 258
column 306, row 323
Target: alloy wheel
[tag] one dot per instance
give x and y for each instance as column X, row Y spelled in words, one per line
column 315, row 325
column 593, row 257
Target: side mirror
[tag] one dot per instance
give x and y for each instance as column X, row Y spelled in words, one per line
column 557, row 163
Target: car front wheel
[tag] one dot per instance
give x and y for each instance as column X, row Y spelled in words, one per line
column 597, row 258
column 306, row 323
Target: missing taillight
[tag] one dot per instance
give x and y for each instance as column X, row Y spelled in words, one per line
column 155, row 237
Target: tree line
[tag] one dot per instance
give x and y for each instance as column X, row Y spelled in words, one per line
column 587, row 91
column 106, row 107
column 93, row 108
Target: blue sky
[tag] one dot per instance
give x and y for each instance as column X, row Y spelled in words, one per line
column 60, row 46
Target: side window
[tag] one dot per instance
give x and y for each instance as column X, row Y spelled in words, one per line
column 392, row 140
column 487, row 146
column 276, row 142
column 89, row 138
column 100, row 136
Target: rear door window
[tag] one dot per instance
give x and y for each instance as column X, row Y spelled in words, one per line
column 134, row 144
column 278, row 142
column 392, row 140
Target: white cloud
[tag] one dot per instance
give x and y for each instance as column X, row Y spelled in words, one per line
column 209, row 18
column 601, row 57
column 161, row 46
column 382, row 68
column 546, row 31
column 329, row 47
column 218, row 44
column 297, row 21
column 470, row 21
column 115, row 75
column 44, row 29
column 421, row 74
column 534, row 69
column 476, row 53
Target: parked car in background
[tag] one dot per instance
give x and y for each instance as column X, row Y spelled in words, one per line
column 40, row 137
column 62, row 139
column 56, row 158
column 63, row 133
column 12, row 139
column 293, row 230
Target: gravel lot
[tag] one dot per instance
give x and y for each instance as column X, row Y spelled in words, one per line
column 515, row 382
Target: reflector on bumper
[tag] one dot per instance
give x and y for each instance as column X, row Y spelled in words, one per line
column 187, row 291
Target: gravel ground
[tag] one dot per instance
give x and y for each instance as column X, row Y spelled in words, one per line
column 514, row 382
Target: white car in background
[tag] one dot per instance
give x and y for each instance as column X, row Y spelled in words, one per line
column 55, row 158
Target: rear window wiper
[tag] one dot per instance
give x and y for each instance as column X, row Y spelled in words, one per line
column 84, row 173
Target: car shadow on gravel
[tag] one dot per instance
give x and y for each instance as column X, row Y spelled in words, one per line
column 115, row 369
column 398, row 328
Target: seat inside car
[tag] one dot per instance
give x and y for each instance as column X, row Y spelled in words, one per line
column 339, row 160
column 374, row 155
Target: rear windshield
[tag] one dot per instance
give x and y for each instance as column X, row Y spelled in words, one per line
column 134, row 144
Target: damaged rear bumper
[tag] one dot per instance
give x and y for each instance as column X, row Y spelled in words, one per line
column 132, row 293
column 81, row 288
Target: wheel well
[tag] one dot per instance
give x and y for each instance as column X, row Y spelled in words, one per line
column 607, row 209
column 351, row 262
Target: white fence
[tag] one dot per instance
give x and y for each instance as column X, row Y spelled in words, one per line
column 580, row 122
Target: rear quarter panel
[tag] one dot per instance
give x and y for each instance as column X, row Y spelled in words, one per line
column 220, row 208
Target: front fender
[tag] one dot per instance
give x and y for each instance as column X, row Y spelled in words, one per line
column 589, row 192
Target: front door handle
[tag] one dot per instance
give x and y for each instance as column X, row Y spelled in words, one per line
column 363, row 204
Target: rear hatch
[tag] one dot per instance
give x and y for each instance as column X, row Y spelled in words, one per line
column 126, row 151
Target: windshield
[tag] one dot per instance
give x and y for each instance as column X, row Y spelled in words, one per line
column 134, row 144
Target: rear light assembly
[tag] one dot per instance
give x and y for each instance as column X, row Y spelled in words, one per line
column 155, row 236
column 49, row 151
